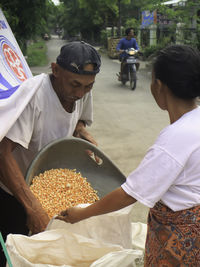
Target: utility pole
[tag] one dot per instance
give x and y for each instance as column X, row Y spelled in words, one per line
column 119, row 19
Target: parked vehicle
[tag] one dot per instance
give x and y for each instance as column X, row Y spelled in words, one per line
column 129, row 72
column 46, row 37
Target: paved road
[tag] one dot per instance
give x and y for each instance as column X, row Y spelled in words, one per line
column 126, row 122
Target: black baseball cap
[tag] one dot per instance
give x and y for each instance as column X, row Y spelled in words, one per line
column 75, row 55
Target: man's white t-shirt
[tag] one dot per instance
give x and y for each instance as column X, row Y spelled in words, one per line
column 44, row 120
column 170, row 170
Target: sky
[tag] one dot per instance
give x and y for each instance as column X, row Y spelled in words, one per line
column 56, row 2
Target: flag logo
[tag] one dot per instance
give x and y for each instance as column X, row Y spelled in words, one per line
column 11, row 60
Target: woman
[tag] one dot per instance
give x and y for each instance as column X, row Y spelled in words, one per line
column 168, row 178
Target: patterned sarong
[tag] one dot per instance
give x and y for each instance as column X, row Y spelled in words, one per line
column 173, row 238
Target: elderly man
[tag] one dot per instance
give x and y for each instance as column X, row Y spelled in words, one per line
column 61, row 107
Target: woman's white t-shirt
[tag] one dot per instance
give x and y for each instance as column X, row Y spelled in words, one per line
column 44, row 120
column 170, row 170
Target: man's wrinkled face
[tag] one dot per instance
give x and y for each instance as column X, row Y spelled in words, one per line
column 71, row 86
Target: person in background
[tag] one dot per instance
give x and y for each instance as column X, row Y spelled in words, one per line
column 168, row 178
column 125, row 43
column 61, row 107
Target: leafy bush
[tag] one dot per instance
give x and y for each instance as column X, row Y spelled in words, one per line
column 104, row 35
column 151, row 50
column 37, row 54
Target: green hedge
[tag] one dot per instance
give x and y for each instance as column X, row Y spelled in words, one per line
column 37, row 54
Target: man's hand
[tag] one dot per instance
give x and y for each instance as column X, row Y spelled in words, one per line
column 37, row 218
column 121, row 51
column 82, row 133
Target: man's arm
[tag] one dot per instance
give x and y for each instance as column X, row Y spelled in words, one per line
column 135, row 45
column 120, row 46
column 11, row 176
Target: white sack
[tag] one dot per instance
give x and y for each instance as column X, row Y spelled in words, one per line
column 63, row 248
column 139, row 232
column 114, row 227
column 99, row 241
column 124, row 258
column 55, row 248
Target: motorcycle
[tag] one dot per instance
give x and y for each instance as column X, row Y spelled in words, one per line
column 129, row 72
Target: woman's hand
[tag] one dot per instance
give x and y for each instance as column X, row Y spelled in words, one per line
column 72, row 215
column 113, row 201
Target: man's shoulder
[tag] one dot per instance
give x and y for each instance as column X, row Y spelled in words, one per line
column 39, row 84
column 34, row 81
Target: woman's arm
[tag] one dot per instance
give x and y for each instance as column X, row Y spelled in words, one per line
column 114, row 201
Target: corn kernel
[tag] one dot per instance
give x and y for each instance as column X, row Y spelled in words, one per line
column 58, row 189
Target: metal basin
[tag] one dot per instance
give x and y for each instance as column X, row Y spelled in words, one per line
column 71, row 153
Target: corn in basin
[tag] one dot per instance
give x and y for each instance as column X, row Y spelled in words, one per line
column 58, row 189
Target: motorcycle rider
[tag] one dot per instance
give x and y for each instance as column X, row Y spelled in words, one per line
column 125, row 43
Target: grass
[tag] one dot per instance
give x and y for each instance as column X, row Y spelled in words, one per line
column 37, row 54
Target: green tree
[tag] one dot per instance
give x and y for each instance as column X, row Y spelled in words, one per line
column 85, row 17
column 185, row 15
column 27, row 18
column 91, row 17
column 106, row 12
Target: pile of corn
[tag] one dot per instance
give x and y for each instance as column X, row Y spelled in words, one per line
column 58, row 189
